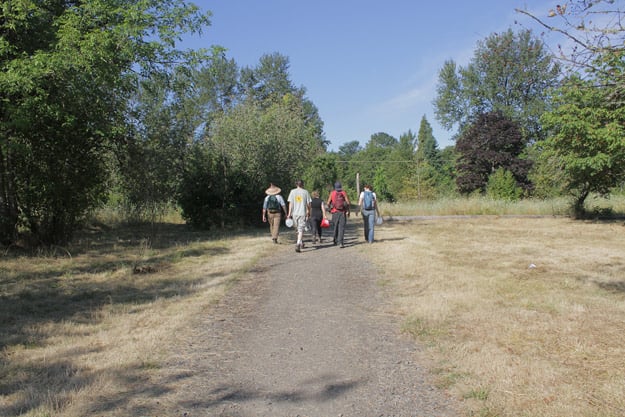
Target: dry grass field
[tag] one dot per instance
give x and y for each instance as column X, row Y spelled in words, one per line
column 483, row 205
column 84, row 325
column 521, row 316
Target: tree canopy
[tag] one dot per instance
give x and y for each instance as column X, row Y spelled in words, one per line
column 270, row 134
column 494, row 141
column 587, row 138
column 68, row 71
column 510, row 73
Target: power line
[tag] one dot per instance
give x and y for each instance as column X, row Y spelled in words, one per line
column 355, row 162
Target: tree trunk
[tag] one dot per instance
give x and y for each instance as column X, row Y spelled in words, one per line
column 8, row 200
column 579, row 212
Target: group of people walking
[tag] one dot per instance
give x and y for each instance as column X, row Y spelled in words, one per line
column 308, row 211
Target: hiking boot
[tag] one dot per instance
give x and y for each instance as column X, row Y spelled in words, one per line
column 298, row 248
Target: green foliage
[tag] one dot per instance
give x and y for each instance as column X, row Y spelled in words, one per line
column 202, row 186
column 493, row 141
column 427, row 149
column 67, row 72
column 546, row 175
column 408, row 168
column 509, row 73
column 381, row 186
column 502, row 186
column 152, row 163
column 422, row 183
column 321, row 174
column 433, row 174
column 586, row 145
column 251, row 146
column 349, row 149
column 587, row 139
column 369, row 161
column 401, row 164
column 447, row 180
column 269, row 83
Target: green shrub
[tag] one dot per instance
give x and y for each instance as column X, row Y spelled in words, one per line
column 502, row 186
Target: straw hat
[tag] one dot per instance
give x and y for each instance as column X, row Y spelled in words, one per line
column 273, row 190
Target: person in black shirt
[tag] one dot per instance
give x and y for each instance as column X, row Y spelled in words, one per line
column 317, row 213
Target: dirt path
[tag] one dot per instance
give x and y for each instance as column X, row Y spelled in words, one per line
column 302, row 335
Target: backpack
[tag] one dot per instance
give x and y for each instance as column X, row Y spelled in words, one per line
column 367, row 201
column 273, row 204
column 339, row 201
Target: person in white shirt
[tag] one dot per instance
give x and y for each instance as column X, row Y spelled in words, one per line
column 299, row 210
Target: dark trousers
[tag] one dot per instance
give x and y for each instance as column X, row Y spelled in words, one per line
column 339, row 219
column 315, row 227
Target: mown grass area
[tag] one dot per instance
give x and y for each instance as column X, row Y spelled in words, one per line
column 520, row 316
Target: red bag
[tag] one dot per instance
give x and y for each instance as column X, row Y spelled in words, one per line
column 339, row 203
column 325, row 223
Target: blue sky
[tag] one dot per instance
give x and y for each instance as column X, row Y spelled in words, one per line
column 368, row 66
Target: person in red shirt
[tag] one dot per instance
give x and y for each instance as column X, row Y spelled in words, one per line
column 339, row 207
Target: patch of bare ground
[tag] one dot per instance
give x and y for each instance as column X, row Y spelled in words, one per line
column 303, row 334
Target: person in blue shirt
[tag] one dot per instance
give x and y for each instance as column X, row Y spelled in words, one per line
column 368, row 203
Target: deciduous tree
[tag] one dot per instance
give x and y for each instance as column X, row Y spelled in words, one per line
column 586, row 130
column 67, row 72
column 587, row 139
column 371, row 162
column 251, row 146
column 510, row 72
column 493, row 141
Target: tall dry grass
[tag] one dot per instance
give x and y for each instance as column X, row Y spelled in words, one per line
column 477, row 205
column 84, row 327
column 522, row 316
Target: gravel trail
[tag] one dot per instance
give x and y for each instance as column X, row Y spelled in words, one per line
column 303, row 334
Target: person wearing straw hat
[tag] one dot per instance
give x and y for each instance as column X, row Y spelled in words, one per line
column 299, row 210
column 273, row 207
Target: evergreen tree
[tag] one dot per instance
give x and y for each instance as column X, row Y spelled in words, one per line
column 427, row 148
